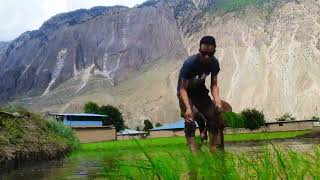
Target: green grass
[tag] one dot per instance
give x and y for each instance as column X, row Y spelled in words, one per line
column 226, row 6
column 233, row 120
column 169, row 158
column 265, row 136
column 180, row 141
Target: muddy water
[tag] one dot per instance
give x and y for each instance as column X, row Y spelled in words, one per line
column 89, row 167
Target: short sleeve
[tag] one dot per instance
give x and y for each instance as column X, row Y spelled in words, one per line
column 215, row 69
column 186, row 71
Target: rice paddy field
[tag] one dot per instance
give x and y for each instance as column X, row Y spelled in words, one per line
column 280, row 155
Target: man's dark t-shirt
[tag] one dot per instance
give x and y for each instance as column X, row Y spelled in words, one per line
column 197, row 72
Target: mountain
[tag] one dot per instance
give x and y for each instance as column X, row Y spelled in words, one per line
column 3, row 47
column 130, row 57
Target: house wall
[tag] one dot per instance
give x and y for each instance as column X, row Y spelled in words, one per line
column 161, row 133
column 168, row 133
column 181, row 133
column 243, row 130
column 96, row 134
column 128, row 137
column 292, row 126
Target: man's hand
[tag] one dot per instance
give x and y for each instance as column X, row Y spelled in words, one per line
column 215, row 93
column 188, row 115
column 218, row 106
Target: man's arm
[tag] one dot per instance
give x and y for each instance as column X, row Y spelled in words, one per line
column 215, row 91
column 185, row 98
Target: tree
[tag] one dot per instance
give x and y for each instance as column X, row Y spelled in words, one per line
column 147, row 125
column 91, row 107
column 252, row 118
column 138, row 129
column 114, row 117
column 158, row 124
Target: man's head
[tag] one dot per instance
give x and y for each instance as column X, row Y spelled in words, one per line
column 207, row 48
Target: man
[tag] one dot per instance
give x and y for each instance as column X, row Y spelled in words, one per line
column 195, row 103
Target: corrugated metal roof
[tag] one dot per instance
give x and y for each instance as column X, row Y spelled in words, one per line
column 176, row 125
column 78, row 114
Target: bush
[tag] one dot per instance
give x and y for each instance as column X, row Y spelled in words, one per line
column 252, row 118
column 147, row 125
column 286, row 117
column 316, row 118
column 13, row 128
column 233, row 120
column 63, row 131
column 158, row 124
column 9, row 108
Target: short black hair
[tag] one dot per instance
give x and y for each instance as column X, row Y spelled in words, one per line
column 208, row 40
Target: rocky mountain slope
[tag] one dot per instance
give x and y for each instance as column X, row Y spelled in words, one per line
column 268, row 50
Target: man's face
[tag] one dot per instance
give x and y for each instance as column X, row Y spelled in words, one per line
column 207, row 52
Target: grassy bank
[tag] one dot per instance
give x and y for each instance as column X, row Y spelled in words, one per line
column 240, row 6
column 265, row 136
column 25, row 136
column 169, row 158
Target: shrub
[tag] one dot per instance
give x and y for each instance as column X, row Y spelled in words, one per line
column 9, row 108
column 316, row 118
column 158, row 124
column 147, row 125
column 286, row 117
column 63, row 131
column 252, row 118
column 233, row 120
column 14, row 129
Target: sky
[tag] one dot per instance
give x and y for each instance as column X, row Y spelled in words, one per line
column 18, row 16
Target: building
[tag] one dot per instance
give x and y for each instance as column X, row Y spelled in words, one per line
column 177, row 128
column 88, row 127
column 290, row 125
column 79, row 119
column 169, row 130
column 131, row 134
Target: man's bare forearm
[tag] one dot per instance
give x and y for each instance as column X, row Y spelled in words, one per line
column 185, row 98
column 216, row 96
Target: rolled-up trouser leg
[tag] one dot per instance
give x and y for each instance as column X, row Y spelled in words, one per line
column 200, row 120
column 215, row 124
column 205, row 106
column 190, row 128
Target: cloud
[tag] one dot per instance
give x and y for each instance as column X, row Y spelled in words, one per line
column 18, row 16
